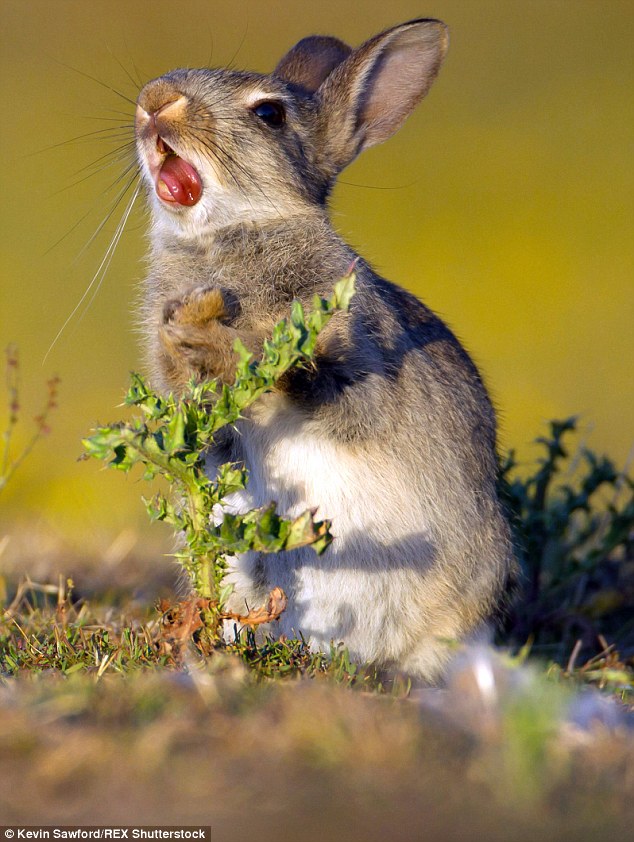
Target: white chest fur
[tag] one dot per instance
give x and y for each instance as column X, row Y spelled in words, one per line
column 382, row 550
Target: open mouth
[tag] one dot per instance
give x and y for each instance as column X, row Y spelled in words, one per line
column 177, row 181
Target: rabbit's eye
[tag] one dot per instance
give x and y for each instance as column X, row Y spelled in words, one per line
column 270, row 112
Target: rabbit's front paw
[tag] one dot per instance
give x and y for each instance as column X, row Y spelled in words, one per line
column 197, row 307
column 195, row 340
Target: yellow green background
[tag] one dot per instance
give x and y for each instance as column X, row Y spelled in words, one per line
column 506, row 202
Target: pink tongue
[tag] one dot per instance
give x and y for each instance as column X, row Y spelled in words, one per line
column 178, row 182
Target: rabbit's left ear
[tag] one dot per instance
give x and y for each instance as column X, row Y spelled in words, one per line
column 310, row 61
column 368, row 97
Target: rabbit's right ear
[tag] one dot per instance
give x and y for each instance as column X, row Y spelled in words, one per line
column 367, row 97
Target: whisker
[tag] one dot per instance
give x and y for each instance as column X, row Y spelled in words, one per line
column 92, row 208
column 125, row 114
column 118, row 152
column 101, row 117
column 117, row 156
column 118, row 198
column 230, row 64
column 94, row 79
column 211, row 43
column 379, row 187
column 215, row 152
column 218, row 150
column 113, row 247
column 140, row 76
column 111, row 133
column 134, row 81
column 138, row 82
column 69, row 232
column 101, row 269
column 104, row 221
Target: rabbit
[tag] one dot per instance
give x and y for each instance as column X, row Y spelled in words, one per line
column 390, row 434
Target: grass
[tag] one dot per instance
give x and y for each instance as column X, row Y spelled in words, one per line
column 120, row 711
column 112, row 718
column 45, row 629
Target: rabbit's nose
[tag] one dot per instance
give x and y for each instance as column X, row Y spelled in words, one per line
column 171, row 110
column 152, row 117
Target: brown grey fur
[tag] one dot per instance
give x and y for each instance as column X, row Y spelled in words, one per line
column 394, row 412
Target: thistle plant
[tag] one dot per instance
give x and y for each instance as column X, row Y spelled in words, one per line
column 574, row 518
column 171, row 435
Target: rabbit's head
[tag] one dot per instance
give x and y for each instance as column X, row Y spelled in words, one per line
column 221, row 146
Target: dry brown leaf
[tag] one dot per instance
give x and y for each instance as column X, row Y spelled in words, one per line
column 275, row 605
column 181, row 620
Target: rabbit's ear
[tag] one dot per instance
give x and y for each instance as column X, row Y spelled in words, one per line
column 310, row 61
column 367, row 98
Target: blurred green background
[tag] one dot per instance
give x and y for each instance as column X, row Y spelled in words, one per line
column 506, row 202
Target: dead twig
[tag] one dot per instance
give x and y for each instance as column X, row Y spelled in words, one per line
column 573, row 656
column 275, row 605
